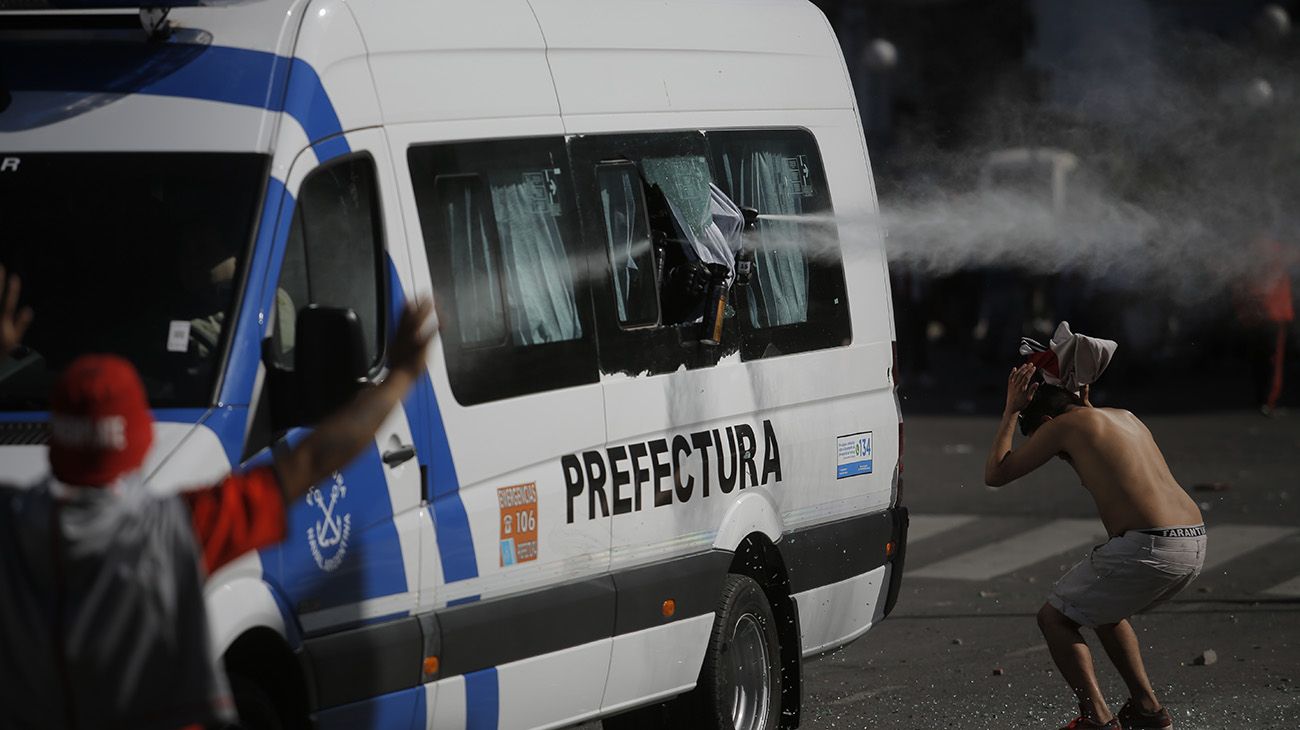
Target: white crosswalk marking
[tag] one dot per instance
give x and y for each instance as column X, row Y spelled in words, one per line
column 1014, row 553
column 1288, row 588
column 923, row 526
column 1228, row 542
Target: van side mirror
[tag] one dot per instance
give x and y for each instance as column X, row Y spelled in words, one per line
column 330, row 363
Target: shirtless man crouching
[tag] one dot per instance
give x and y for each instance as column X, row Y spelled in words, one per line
column 1156, row 545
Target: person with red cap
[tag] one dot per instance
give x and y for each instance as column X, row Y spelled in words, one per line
column 104, row 624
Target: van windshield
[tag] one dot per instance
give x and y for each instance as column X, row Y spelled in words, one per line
column 137, row 254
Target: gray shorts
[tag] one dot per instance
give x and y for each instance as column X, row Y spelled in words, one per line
column 1129, row 574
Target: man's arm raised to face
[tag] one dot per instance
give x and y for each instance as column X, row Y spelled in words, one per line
column 1004, row 464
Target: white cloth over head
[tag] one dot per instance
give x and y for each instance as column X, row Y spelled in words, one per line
column 1069, row 360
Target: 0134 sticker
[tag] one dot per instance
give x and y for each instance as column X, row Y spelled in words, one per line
column 853, row 455
column 518, row 523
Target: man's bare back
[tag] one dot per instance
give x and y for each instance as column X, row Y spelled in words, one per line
column 1110, row 449
column 1119, row 462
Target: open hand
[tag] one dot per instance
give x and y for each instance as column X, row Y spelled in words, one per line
column 407, row 351
column 1020, row 387
column 13, row 323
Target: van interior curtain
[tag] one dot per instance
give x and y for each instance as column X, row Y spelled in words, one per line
column 618, row 203
column 479, row 314
column 539, row 278
column 778, row 293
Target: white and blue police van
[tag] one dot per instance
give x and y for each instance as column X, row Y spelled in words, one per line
column 621, row 491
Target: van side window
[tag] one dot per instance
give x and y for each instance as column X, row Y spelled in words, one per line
column 650, row 317
column 334, row 255
column 499, row 224
column 796, row 300
column 628, row 244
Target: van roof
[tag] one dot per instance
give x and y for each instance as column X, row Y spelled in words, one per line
column 237, row 66
column 606, row 57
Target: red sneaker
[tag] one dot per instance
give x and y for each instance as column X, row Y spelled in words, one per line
column 1134, row 718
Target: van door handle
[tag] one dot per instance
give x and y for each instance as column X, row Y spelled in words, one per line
column 399, row 455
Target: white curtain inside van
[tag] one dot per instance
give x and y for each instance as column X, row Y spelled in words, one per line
column 479, row 313
column 626, row 241
column 778, row 293
column 539, row 279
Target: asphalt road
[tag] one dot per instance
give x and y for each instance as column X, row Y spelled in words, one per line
column 962, row 649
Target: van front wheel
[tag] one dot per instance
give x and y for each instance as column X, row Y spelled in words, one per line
column 740, row 682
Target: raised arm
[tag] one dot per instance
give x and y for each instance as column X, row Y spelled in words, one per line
column 340, row 437
column 13, row 322
column 1003, row 464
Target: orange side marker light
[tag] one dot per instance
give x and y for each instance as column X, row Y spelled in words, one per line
column 669, row 608
column 431, row 666
column 889, row 549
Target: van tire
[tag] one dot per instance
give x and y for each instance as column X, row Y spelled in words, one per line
column 709, row 705
column 257, row 711
column 744, row 653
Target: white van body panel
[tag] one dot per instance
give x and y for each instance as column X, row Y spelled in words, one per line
column 239, row 601
column 441, row 61
column 187, row 457
column 646, row 665
column 841, row 612
column 755, row 512
column 332, row 41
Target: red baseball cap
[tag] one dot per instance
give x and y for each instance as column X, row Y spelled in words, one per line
column 100, row 423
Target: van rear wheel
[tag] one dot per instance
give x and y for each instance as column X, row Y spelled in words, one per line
column 740, row 682
column 739, row 687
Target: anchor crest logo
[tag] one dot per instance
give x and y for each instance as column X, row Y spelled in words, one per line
column 328, row 536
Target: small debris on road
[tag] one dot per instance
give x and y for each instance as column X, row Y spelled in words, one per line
column 1205, row 658
column 988, row 594
column 998, row 671
column 957, row 642
column 1213, row 487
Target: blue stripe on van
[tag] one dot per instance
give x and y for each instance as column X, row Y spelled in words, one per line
column 482, row 700
column 264, row 262
column 450, row 520
column 183, row 70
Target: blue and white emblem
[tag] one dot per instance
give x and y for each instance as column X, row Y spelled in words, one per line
column 328, row 536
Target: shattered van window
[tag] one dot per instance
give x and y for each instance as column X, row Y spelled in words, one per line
column 685, row 181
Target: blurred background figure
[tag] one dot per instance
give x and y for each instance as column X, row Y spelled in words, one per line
column 1266, row 311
